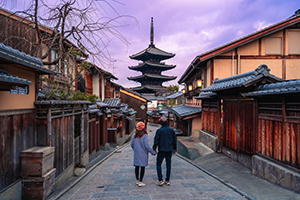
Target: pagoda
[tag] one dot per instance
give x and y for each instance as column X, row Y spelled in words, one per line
column 151, row 67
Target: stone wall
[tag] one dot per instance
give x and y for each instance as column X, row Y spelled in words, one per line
column 208, row 139
column 276, row 173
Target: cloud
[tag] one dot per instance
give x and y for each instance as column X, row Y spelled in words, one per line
column 187, row 28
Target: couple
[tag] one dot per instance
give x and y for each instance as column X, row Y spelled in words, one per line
column 166, row 141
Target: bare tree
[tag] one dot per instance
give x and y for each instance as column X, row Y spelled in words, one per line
column 67, row 30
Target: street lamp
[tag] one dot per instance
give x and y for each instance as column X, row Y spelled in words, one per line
column 190, row 87
column 159, row 107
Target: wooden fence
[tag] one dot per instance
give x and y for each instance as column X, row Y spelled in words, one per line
column 17, row 133
column 58, row 122
column 279, row 130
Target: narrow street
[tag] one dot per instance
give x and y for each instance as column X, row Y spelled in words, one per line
column 115, row 179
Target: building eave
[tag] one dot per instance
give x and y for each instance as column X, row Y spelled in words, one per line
column 237, row 43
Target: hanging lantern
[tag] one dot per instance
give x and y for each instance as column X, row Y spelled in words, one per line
column 183, row 91
column 190, row 87
column 199, row 83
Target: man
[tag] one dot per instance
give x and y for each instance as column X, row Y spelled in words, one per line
column 166, row 141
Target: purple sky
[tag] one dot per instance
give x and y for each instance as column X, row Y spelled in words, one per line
column 188, row 28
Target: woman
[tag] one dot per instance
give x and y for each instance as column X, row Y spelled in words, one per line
column 140, row 145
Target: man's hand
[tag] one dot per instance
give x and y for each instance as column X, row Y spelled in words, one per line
column 173, row 151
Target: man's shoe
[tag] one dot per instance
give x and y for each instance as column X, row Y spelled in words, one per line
column 137, row 182
column 167, row 183
column 160, row 183
column 141, row 184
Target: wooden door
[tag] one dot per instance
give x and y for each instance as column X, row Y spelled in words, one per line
column 238, row 125
column 89, row 84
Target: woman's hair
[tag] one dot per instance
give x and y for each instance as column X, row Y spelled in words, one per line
column 139, row 134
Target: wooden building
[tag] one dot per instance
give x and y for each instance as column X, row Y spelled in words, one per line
column 236, row 132
column 187, row 119
column 19, row 74
column 99, row 82
column 260, row 123
column 136, row 101
column 276, row 46
column 20, row 33
column 151, row 67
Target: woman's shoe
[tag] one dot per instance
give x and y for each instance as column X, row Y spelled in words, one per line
column 141, row 184
column 137, row 182
column 167, row 183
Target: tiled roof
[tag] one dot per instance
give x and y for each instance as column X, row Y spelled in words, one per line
column 135, row 93
column 175, row 95
column 93, row 109
column 206, row 95
column 241, row 80
column 152, row 76
column 60, row 102
column 7, row 78
column 150, row 96
column 12, row 55
column 152, row 52
column 284, row 87
column 146, row 65
column 97, row 69
column 185, row 110
column 237, row 43
column 112, row 102
column 101, row 104
column 141, row 89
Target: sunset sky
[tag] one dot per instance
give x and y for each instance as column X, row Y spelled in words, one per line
column 187, row 28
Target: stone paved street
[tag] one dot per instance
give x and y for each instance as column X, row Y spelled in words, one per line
column 115, row 179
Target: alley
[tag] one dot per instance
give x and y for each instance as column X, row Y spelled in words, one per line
column 114, row 179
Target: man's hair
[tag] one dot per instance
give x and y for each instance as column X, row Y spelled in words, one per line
column 163, row 120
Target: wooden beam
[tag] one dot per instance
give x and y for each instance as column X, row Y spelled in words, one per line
column 284, row 59
column 212, row 71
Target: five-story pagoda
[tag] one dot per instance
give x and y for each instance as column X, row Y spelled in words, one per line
column 151, row 67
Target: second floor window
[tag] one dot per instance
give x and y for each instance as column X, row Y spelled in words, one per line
column 273, row 46
column 19, row 90
column 294, row 42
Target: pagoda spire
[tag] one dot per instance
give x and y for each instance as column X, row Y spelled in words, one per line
column 151, row 33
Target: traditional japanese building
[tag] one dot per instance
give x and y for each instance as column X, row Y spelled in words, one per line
column 151, row 67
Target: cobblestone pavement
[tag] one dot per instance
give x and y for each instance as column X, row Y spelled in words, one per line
column 115, row 179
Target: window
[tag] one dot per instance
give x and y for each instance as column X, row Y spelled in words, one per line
column 53, row 56
column 273, row 46
column 19, row 90
column 294, row 42
column 66, row 67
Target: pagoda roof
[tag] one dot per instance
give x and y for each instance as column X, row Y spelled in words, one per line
column 152, row 53
column 152, row 76
column 158, row 66
column 147, row 88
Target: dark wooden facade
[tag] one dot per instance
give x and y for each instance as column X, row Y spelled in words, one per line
column 138, row 103
column 238, row 125
column 278, row 133
column 58, row 123
column 18, row 33
column 94, row 130
column 183, row 125
column 210, row 117
column 17, row 134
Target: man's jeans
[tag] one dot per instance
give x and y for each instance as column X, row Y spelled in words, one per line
column 160, row 157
